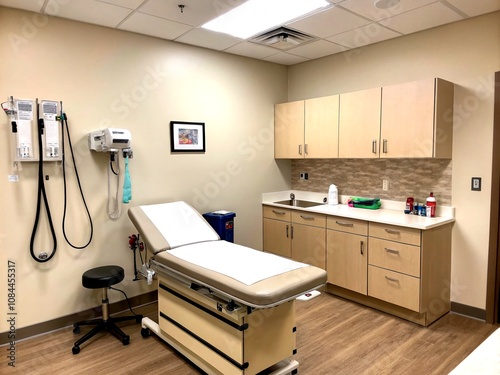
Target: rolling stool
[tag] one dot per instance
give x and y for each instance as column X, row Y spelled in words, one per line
column 103, row 277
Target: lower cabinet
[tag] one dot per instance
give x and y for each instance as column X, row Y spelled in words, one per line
column 402, row 271
column 298, row 235
column 347, row 253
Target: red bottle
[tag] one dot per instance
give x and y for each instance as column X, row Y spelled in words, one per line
column 431, row 205
column 409, row 205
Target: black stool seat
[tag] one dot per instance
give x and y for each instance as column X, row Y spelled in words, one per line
column 103, row 278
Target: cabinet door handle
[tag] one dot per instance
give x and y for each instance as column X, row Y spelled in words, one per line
column 361, row 245
column 300, row 149
column 391, row 250
column 306, row 149
column 287, row 231
column 392, row 231
column 392, row 279
column 291, row 232
column 374, row 146
column 279, row 212
column 343, row 223
column 384, row 146
column 307, row 217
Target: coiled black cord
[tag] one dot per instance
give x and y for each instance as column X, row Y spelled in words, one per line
column 42, row 194
column 64, row 123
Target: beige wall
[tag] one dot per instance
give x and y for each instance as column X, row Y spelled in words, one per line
column 466, row 53
column 109, row 78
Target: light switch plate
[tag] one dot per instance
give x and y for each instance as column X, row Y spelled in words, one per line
column 475, row 184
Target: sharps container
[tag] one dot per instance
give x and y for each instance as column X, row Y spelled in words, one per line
column 223, row 223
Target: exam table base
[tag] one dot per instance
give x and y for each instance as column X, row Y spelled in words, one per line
column 241, row 342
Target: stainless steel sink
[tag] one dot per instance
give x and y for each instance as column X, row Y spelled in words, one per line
column 299, row 203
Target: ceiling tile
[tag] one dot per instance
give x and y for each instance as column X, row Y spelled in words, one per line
column 89, row 11
column 195, row 12
column 285, row 59
column 149, row 25
column 316, row 49
column 427, row 17
column 328, row 22
column 208, row 39
column 476, row 8
column 251, row 50
column 130, row 4
column 33, row 6
column 362, row 36
column 366, row 8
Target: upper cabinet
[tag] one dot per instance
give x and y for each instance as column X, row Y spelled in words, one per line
column 289, row 130
column 409, row 120
column 307, row 129
column 359, row 127
column 417, row 120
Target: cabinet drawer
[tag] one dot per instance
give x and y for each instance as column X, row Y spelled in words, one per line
column 410, row 236
column 394, row 287
column 307, row 218
column 347, row 225
column 276, row 213
column 394, row 256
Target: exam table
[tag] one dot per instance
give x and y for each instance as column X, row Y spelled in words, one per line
column 229, row 309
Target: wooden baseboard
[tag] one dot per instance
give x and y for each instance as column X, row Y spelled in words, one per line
column 51, row 325
column 472, row 312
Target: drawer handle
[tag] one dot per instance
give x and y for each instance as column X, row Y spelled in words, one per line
column 392, row 231
column 279, row 212
column 307, row 217
column 391, row 250
column 344, row 223
column 392, row 279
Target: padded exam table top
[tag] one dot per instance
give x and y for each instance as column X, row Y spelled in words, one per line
column 184, row 244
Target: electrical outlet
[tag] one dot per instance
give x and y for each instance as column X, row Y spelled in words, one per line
column 302, row 175
column 385, row 185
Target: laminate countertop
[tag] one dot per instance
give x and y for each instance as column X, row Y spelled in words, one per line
column 391, row 212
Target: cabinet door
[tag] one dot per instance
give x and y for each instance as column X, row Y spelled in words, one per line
column 308, row 245
column 322, row 127
column 408, row 120
column 359, row 124
column 277, row 237
column 289, row 130
column 347, row 261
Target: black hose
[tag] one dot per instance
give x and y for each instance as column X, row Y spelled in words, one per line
column 64, row 122
column 42, row 193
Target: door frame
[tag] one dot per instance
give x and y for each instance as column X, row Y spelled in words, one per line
column 493, row 278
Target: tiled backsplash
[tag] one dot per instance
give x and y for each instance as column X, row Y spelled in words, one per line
column 363, row 177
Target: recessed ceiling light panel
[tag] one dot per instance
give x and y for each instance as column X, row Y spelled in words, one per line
column 255, row 16
column 385, row 4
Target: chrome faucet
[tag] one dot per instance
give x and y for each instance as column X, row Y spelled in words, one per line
column 292, row 196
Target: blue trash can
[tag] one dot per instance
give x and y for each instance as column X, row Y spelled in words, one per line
column 223, row 223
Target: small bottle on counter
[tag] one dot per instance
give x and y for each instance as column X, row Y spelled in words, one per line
column 409, row 205
column 423, row 210
column 431, row 205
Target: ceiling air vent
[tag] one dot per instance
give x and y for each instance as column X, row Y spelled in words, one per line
column 283, row 38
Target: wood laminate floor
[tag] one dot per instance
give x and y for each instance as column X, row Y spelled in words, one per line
column 334, row 336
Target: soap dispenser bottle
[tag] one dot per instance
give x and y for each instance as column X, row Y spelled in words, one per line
column 333, row 195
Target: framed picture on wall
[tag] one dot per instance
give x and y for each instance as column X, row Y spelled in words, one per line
column 187, row 136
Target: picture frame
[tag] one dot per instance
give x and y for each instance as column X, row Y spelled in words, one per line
column 187, row 136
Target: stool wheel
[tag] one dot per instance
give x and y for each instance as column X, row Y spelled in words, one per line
column 145, row 332
column 76, row 329
column 76, row 349
column 126, row 340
